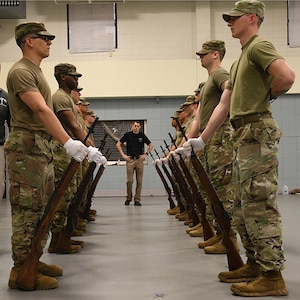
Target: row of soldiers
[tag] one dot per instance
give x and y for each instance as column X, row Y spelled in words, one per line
column 224, row 163
column 51, row 158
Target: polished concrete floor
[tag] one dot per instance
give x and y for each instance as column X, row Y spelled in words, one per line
column 135, row 253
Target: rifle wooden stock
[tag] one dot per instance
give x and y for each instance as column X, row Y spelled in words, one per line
column 173, row 184
column 64, row 241
column 184, row 189
column 233, row 257
column 167, row 188
column 208, row 231
column 91, row 191
column 92, row 187
column 27, row 277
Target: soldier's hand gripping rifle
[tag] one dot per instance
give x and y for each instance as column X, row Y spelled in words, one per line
column 167, row 188
column 64, row 241
column 26, row 279
column 184, row 188
column 233, row 257
column 208, row 231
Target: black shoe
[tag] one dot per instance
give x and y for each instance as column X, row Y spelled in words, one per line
column 127, row 202
column 137, row 203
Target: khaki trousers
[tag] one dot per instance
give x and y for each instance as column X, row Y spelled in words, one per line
column 134, row 166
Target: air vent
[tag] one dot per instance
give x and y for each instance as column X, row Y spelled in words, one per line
column 10, row 3
column 13, row 9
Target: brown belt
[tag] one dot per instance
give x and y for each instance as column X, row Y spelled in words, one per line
column 41, row 133
column 238, row 123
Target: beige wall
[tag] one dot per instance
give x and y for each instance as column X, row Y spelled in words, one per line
column 157, row 44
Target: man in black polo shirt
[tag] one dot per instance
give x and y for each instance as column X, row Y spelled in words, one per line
column 134, row 158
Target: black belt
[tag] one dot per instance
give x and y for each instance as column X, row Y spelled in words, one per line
column 134, row 157
column 41, row 133
column 238, row 123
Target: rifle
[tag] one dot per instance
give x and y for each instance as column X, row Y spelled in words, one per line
column 26, row 279
column 233, row 256
column 64, row 241
column 173, row 184
column 93, row 185
column 168, row 190
column 184, row 188
column 208, row 231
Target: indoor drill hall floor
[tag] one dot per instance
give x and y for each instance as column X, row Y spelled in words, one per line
column 136, row 253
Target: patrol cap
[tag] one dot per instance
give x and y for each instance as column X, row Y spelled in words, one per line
column 180, row 109
column 175, row 115
column 214, row 45
column 66, row 68
column 91, row 113
column 200, row 86
column 189, row 100
column 24, row 29
column 246, row 7
column 84, row 102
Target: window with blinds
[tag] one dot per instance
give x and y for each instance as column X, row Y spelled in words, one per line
column 92, row 27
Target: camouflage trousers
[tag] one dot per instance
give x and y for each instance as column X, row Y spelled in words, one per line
column 31, row 177
column 255, row 207
column 219, row 154
column 61, row 161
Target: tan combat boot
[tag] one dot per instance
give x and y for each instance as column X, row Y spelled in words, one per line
column 269, row 283
column 180, row 214
column 188, row 222
column 193, row 228
column 248, row 272
column 173, row 211
column 42, row 282
column 93, row 212
column 184, row 217
column 78, row 232
column 213, row 240
column 198, row 232
column 77, row 242
column 50, row 270
column 219, row 248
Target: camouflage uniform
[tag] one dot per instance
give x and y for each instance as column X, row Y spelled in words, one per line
column 219, row 155
column 29, row 157
column 255, row 209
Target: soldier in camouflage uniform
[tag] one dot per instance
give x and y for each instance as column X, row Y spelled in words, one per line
column 217, row 155
column 258, row 76
column 29, row 151
column 218, row 152
column 67, row 78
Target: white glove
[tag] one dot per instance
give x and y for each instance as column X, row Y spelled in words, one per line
column 180, row 152
column 94, row 155
column 195, row 144
column 103, row 161
column 158, row 161
column 165, row 160
column 76, row 149
column 173, row 154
